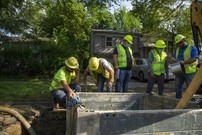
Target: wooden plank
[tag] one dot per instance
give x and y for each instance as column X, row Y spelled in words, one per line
column 191, row 90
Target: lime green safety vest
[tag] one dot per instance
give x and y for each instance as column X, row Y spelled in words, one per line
column 61, row 74
column 122, row 60
column 100, row 70
column 158, row 64
column 189, row 68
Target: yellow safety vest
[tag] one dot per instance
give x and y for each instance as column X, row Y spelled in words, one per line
column 100, row 70
column 158, row 64
column 122, row 59
column 189, row 68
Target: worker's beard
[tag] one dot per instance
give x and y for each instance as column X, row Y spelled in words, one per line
column 160, row 50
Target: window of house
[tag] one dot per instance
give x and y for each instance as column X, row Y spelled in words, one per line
column 108, row 41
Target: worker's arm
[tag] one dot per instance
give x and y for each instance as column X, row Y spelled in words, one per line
column 189, row 61
column 150, row 59
column 86, row 72
column 115, row 61
column 111, row 78
column 194, row 56
column 65, row 85
column 166, row 68
column 115, row 56
column 111, row 75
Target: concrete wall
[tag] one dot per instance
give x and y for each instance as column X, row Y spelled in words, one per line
column 130, row 113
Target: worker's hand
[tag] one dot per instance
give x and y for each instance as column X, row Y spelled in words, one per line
column 172, row 60
column 109, row 84
column 71, row 93
column 152, row 74
column 116, row 68
column 181, row 62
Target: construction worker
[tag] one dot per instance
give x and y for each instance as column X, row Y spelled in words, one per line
column 123, row 63
column 101, row 71
column 65, row 82
column 187, row 55
column 157, row 66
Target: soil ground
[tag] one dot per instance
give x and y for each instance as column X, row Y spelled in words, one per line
column 140, row 87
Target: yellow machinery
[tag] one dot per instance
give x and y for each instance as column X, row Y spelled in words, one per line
column 196, row 23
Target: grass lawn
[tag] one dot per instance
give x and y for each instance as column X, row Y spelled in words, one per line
column 24, row 89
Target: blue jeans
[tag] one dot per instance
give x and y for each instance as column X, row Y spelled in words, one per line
column 123, row 80
column 100, row 83
column 59, row 95
column 179, row 81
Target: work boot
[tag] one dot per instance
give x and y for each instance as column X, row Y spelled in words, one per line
column 55, row 105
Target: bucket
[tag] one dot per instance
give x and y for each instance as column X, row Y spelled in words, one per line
column 176, row 68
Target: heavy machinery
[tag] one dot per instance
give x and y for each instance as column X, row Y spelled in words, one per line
column 196, row 24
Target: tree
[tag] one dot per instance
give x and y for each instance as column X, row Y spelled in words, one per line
column 125, row 21
column 16, row 16
column 155, row 15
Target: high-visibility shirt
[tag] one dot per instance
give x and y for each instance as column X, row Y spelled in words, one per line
column 62, row 74
column 122, row 58
column 189, row 68
column 158, row 64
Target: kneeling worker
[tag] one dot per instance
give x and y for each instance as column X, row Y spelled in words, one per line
column 65, row 82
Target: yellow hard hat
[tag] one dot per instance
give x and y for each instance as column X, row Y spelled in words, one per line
column 129, row 38
column 160, row 44
column 179, row 38
column 93, row 63
column 72, row 62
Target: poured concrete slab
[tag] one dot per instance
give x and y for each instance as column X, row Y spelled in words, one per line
column 135, row 113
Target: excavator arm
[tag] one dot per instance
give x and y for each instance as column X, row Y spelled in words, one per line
column 196, row 24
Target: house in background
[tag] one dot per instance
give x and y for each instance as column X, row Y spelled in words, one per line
column 104, row 41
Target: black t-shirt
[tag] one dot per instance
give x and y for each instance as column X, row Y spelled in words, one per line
column 128, row 57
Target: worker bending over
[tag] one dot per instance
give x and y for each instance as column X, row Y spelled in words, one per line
column 101, row 71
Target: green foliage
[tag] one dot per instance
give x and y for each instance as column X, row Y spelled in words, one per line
column 41, row 59
column 157, row 17
column 17, row 16
column 125, row 21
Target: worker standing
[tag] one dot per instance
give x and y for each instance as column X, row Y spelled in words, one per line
column 123, row 63
column 157, row 67
column 65, row 82
column 101, row 71
column 187, row 55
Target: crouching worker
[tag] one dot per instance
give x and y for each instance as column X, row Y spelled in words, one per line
column 65, row 82
column 101, row 71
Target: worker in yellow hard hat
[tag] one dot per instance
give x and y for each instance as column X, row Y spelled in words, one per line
column 187, row 55
column 123, row 62
column 157, row 67
column 65, row 82
column 101, row 71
